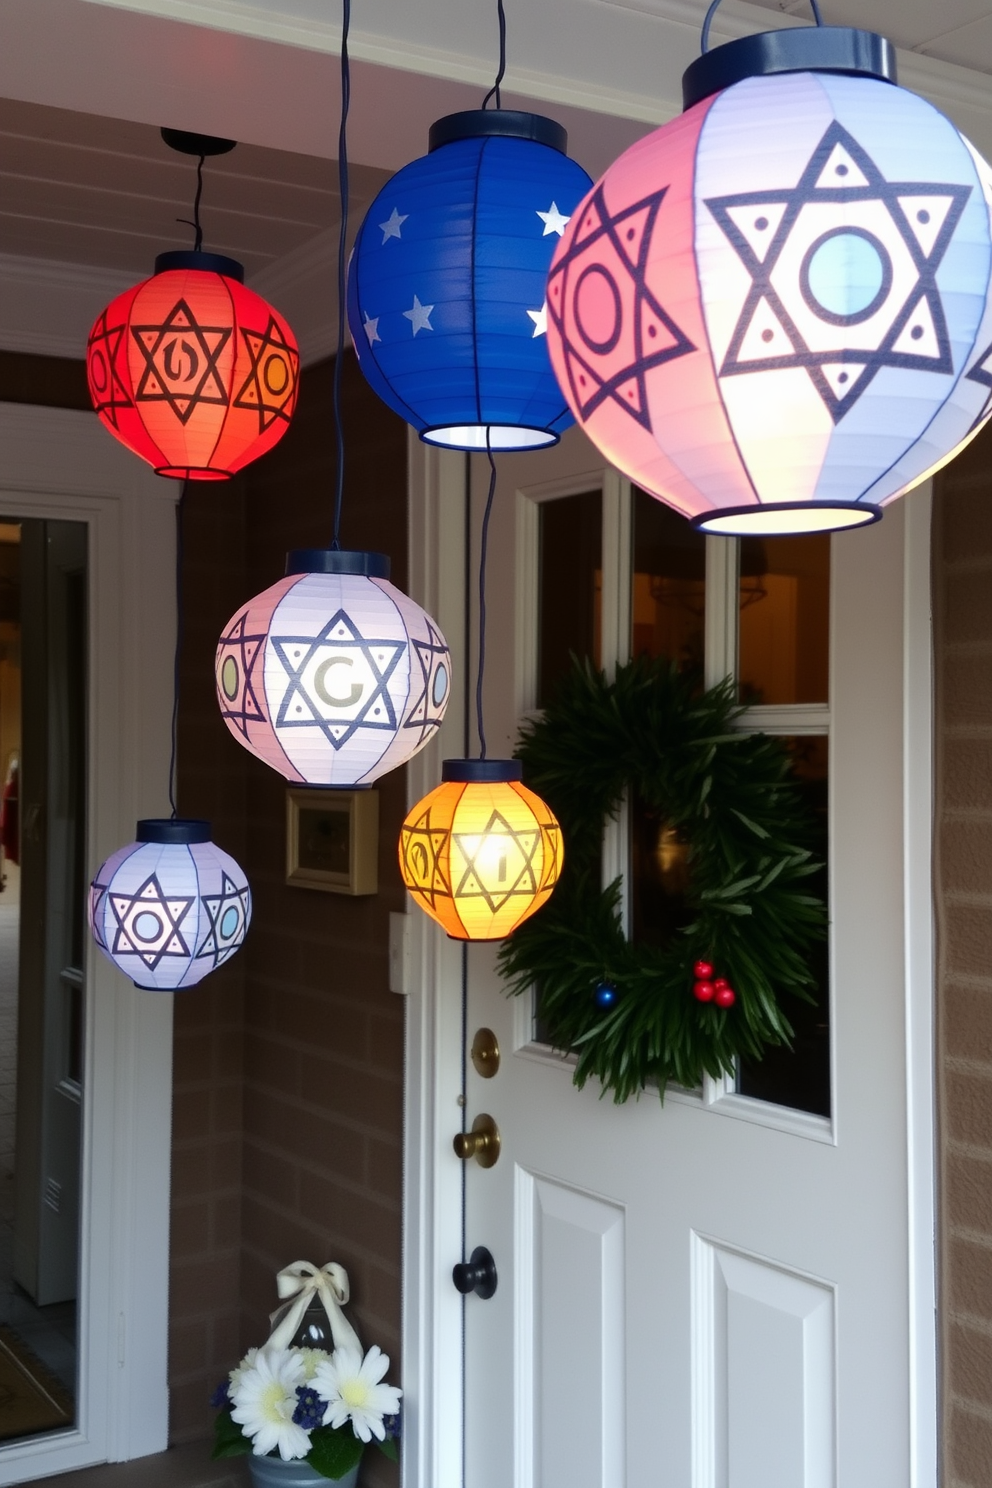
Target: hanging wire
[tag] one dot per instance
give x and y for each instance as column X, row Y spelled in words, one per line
column 704, row 40
column 178, row 654
column 342, row 262
column 494, row 91
column 195, row 223
column 483, row 548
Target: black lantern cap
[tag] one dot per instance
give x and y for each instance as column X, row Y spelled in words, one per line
column 337, row 561
column 498, row 123
column 173, row 830
column 482, row 772
column 796, row 49
column 210, row 263
column 188, row 143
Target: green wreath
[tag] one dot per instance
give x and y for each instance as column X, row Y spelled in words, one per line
column 628, row 1011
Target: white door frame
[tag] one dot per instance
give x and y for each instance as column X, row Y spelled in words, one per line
column 429, row 972
column 63, row 465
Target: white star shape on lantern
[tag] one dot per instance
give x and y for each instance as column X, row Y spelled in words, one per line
column 391, row 227
column 419, row 316
column 372, row 329
column 804, row 308
column 148, row 923
column 227, row 913
column 540, row 319
column 337, row 681
column 554, row 221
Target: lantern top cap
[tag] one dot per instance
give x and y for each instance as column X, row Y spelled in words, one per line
column 498, row 123
column 796, row 49
column 337, row 561
column 207, row 263
column 173, row 831
column 188, row 143
column 482, row 772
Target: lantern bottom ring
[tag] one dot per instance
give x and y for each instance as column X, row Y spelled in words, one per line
column 496, row 437
column 786, row 518
column 192, row 472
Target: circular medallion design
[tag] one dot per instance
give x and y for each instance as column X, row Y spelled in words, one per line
column 229, row 678
column 846, row 275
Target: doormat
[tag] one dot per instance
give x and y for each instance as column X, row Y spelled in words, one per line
column 31, row 1399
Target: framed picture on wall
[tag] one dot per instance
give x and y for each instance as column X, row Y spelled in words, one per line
column 332, row 840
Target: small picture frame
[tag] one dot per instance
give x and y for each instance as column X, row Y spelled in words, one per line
column 332, row 840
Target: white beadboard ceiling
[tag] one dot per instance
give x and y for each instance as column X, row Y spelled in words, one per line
column 958, row 31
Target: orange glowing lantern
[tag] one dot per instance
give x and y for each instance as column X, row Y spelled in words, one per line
column 481, row 852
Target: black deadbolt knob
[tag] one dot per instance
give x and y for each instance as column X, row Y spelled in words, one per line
column 477, row 1275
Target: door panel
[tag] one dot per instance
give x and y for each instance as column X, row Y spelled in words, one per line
column 758, row 1330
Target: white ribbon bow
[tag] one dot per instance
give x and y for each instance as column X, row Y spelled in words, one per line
column 302, row 1281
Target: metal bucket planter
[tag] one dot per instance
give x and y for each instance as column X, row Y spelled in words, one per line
column 272, row 1472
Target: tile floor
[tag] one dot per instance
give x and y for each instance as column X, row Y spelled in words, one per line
column 181, row 1467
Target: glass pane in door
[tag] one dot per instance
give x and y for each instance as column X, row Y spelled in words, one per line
column 668, row 585
column 43, row 690
column 785, row 619
column 570, row 577
column 800, row 1076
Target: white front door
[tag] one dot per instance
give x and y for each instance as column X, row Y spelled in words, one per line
column 721, row 1291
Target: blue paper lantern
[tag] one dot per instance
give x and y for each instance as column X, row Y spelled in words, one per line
column 446, row 292
column 171, row 907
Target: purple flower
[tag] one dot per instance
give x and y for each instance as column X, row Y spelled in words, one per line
column 393, row 1425
column 309, row 1412
column 221, row 1398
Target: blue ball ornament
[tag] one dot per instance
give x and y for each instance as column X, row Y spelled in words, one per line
column 605, row 995
column 446, row 290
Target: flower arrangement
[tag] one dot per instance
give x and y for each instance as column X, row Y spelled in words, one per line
column 292, row 1401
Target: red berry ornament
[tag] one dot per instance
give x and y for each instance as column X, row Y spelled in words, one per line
column 702, row 971
column 724, row 996
column 704, row 991
column 720, row 983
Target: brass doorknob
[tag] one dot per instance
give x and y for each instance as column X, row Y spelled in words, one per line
column 482, row 1142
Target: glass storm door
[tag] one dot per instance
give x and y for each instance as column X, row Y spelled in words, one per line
column 729, row 1290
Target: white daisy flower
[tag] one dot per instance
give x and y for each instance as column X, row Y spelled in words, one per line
column 350, row 1385
column 264, row 1399
column 248, row 1362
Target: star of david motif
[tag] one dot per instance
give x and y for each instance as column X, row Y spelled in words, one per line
column 180, row 362
column 421, row 844
column 224, row 936
column 795, row 313
column 340, row 657
column 435, row 683
column 238, row 699
column 614, row 329
column 102, row 350
column 512, row 874
column 148, row 924
column 270, row 387
column 981, row 373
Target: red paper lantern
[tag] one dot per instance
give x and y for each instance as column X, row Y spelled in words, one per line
column 193, row 371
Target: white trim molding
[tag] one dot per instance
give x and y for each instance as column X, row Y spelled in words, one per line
column 61, row 464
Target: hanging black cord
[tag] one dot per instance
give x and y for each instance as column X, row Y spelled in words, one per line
column 179, row 651
column 342, row 262
column 494, row 90
column 704, row 40
column 483, row 547
column 195, row 224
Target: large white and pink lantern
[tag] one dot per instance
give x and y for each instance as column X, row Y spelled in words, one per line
column 171, row 907
column 774, row 313
column 333, row 676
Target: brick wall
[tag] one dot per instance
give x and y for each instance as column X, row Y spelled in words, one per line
column 204, row 1308
column 963, row 622
column 302, row 1140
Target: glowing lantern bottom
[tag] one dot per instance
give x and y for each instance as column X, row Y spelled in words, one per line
column 482, row 852
column 171, row 907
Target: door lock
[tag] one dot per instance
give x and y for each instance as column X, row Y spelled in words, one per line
column 485, row 1053
column 482, row 1142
